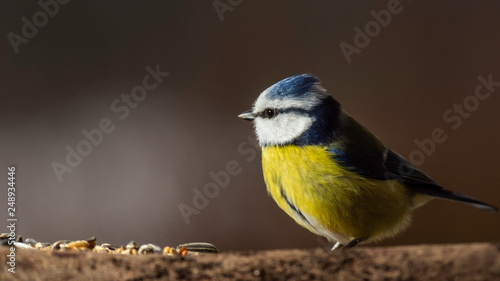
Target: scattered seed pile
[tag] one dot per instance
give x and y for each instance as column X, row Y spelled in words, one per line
column 132, row 248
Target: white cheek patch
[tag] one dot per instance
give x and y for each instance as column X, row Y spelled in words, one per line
column 282, row 129
column 285, row 127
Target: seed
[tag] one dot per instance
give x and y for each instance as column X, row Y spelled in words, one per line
column 132, row 245
column 42, row 245
column 150, row 249
column 100, row 249
column 129, row 252
column 183, row 252
column 109, row 246
column 61, row 243
column 22, row 245
column 17, row 238
column 83, row 244
column 30, row 241
column 146, row 249
column 200, row 247
column 156, row 248
column 120, row 250
column 166, row 250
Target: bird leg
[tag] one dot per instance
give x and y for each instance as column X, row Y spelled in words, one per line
column 352, row 243
column 336, row 246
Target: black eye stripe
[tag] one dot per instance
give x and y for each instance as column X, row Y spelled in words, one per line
column 296, row 110
column 284, row 110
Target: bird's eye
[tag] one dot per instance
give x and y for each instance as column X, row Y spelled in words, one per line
column 269, row 112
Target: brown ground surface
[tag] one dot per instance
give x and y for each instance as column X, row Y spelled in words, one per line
column 423, row 262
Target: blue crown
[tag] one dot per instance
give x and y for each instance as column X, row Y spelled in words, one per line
column 294, row 86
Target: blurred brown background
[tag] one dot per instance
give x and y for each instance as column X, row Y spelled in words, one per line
column 66, row 77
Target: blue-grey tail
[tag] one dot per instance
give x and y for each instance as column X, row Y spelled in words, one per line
column 455, row 196
column 418, row 182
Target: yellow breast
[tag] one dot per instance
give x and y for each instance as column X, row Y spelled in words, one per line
column 330, row 200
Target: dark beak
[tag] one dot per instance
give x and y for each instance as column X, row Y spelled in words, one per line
column 247, row 115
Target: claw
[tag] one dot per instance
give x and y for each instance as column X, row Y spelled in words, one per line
column 336, row 246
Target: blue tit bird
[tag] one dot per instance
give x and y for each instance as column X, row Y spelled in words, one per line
column 332, row 175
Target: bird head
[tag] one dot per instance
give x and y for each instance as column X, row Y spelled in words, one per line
column 296, row 110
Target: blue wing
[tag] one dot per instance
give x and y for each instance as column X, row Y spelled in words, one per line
column 417, row 181
column 358, row 150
